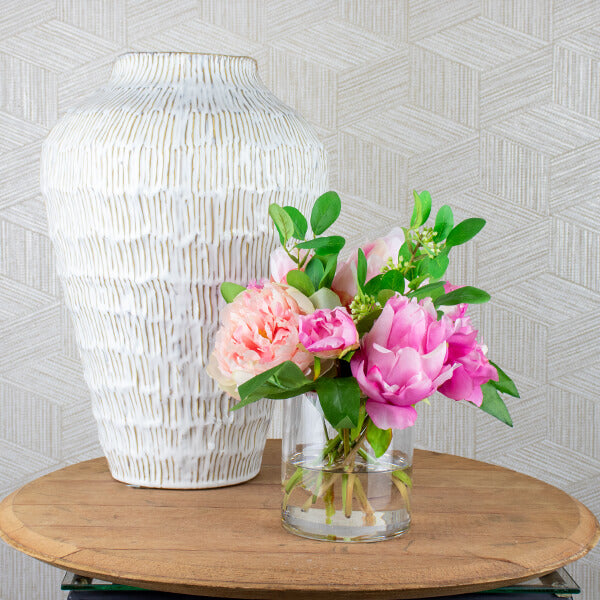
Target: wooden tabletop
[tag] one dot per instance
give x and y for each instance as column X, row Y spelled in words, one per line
column 475, row 527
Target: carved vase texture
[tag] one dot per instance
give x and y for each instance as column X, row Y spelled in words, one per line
column 157, row 190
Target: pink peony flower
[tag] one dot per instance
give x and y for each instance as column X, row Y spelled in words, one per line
column 258, row 330
column 471, row 367
column 280, row 264
column 377, row 254
column 401, row 361
column 328, row 333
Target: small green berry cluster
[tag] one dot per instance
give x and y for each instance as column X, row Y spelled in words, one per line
column 362, row 305
column 424, row 237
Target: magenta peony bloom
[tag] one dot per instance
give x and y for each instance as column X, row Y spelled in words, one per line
column 258, row 331
column 401, row 361
column 471, row 367
column 377, row 254
column 328, row 333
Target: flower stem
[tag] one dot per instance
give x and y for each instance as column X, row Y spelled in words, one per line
column 364, row 501
column 349, row 457
column 293, row 480
column 403, row 492
column 346, row 437
column 349, row 493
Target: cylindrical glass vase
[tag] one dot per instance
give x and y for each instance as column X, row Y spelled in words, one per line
column 334, row 486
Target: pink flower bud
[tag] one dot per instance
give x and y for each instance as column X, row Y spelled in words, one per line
column 328, row 333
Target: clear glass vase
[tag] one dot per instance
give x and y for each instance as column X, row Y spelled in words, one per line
column 334, row 487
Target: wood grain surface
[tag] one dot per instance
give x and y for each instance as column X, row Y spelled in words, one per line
column 475, row 526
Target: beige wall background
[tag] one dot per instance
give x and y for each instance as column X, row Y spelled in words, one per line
column 492, row 105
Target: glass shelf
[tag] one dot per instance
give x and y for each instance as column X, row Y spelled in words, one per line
column 559, row 583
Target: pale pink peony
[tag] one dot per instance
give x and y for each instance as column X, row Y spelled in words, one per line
column 377, row 254
column 280, row 264
column 328, row 333
column 258, row 331
column 471, row 367
column 401, row 361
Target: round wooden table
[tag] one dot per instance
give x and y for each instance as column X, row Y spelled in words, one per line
column 475, row 527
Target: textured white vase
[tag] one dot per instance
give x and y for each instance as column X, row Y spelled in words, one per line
column 157, row 190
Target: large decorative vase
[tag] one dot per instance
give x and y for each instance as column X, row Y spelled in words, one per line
column 157, row 190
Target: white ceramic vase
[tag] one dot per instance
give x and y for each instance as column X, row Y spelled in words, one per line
column 157, row 190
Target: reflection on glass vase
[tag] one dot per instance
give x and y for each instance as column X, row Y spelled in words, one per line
column 334, row 487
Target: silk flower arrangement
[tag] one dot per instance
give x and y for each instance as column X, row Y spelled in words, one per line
column 363, row 341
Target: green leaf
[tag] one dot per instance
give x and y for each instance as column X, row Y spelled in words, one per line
column 464, row 231
column 466, row 294
column 283, row 381
column 283, row 222
column 340, row 401
column 230, row 290
column 494, row 405
column 325, row 298
column 404, row 252
column 299, row 220
column 384, row 295
column 315, row 271
column 444, row 222
column 421, row 210
column 361, row 269
column 373, row 286
column 505, row 383
column 379, row 439
column 391, row 280
column 362, row 413
column 325, row 212
column 414, row 283
column 436, row 267
column 365, row 324
column 324, row 245
column 289, row 376
column 301, row 281
column 423, row 267
column 330, row 261
column 431, row 290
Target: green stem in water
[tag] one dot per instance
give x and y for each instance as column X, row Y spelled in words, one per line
column 313, row 499
column 349, row 493
column 367, row 457
column 293, row 480
column 366, row 505
column 329, row 505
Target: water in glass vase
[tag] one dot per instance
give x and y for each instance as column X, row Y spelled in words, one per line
column 370, row 502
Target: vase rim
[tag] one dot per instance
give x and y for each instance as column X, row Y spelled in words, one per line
column 178, row 53
column 168, row 67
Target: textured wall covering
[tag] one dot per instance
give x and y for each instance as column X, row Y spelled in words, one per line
column 494, row 105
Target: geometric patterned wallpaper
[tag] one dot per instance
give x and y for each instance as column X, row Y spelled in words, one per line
column 492, row 105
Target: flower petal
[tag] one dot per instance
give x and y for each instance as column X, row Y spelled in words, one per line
column 388, row 416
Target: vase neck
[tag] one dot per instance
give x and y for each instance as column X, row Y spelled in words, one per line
column 173, row 67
